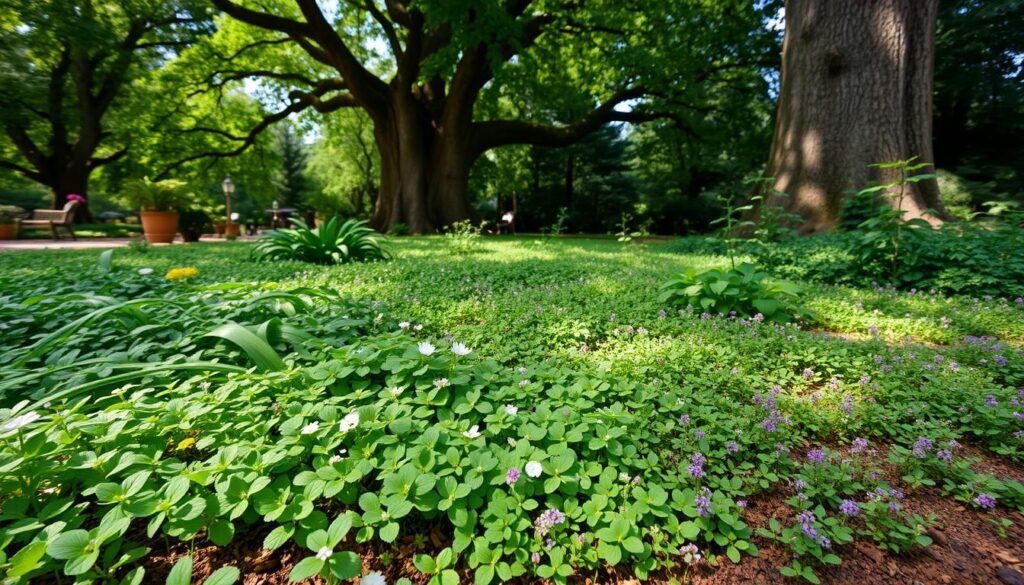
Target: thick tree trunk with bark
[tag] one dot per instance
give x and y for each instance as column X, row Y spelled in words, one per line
column 856, row 89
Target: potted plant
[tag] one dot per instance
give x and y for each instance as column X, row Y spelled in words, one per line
column 194, row 223
column 159, row 203
column 8, row 227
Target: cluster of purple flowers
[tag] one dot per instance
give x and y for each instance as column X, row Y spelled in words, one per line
column 696, row 468
column 807, row 520
column 922, row 447
column 690, row 553
column 698, row 434
column 985, row 501
column 703, row 502
column 512, row 476
column 547, row 520
column 684, row 419
column 847, row 404
column 808, row 373
column 991, row 401
column 849, row 508
column 774, row 419
column 858, row 445
column 732, row 447
column 816, row 456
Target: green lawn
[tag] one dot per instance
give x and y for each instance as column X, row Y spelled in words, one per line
column 314, row 415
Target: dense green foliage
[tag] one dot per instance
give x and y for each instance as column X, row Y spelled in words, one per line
column 368, row 403
column 331, row 242
column 744, row 291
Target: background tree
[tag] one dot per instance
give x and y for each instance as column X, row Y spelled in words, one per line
column 856, row 89
column 293, row 185
column 345, row 166
column 440, row 59
column 979, row 100
column 66, row 67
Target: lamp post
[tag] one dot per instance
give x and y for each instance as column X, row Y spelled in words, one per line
column 229, row 188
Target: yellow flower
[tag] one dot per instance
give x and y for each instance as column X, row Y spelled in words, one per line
column 185, row 444
column 178, row 273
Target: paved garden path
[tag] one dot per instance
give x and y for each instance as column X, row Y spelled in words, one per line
column 86, row 244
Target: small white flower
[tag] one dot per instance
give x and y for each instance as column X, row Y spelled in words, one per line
column 511, row 410
column 145, row 271
column 624, row 476
column 310, row 428
column 374, row 578
column 426, row 348
column 534, row 469
column 396, row 391
column 473, row 432
column 417, row 327
column 403, row 325
column 524, row 383
column 20, row 422
column 324, row 553
column 334, row 459
column 460, row 349
column 350, row 422
column 442, row 383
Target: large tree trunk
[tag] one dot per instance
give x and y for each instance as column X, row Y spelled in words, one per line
column 424, row 169
column 856, row 89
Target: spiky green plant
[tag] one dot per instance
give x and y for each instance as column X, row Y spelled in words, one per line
column 329, row 243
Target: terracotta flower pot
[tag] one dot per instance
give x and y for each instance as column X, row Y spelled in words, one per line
column 233, row 229
column 160, row 227
column 218, row 228
column 8, row 231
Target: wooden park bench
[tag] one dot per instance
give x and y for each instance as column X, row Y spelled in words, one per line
column 52, row 218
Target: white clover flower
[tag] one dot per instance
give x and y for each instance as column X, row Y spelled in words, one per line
column 460, row 349
column 403, row 325
column 145, row 271
column 442, row 383
column 511, row 410
column 350, row 422
column 374, row 578
column 534, row 469
column 310, row 428
column 473, row 432
column 396, row 391
column 20, row 422
column 334, row 459
column 417, row 327
column 324, row 553
column 426, row 348
column 524, row 383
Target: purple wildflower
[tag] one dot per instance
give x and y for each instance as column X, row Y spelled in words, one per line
column 512, row 476
column 698, row 434
column 697, row 465
column 922, row 447
column 849, row 508
column 985, row 501
column 732, row 447
column 808, row 373
column 816, row 456
column 991, row 401
column 999, row 360
column 858, row 445
column 703, row 503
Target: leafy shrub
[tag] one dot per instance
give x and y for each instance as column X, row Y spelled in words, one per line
column 166, row 195
column 463, row 237
column 328, row 243
column 399, row 229
column 744, row 290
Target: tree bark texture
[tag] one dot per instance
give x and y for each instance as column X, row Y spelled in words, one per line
column 855, row 89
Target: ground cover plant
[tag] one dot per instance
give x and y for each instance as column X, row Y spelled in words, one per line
column 532, row 410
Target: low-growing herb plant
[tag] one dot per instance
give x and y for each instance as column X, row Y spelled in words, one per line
column 328, row 243
column 743, row 291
